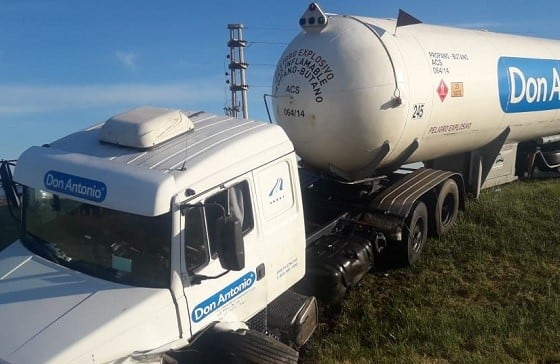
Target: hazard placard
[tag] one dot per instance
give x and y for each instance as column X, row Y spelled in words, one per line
column 442, row 90
column 457, row 89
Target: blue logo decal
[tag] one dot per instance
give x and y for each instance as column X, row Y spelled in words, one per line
column 528, row 84
column 279, row 186
column 222, row 297
column 76, row 186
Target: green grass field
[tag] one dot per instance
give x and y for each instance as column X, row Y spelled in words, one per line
column 487, row 293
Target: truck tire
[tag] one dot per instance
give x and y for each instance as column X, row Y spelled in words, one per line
column 447, row 207
column 249, row 346
column 415, row 232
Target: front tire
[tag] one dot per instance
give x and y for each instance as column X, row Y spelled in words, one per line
column 245, row 346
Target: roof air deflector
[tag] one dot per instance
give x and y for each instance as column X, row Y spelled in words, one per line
column 145, row 127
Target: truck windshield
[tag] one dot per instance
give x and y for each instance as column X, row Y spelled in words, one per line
column 112, row 245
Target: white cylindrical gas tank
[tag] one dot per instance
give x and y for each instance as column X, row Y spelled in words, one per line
column 347, row 87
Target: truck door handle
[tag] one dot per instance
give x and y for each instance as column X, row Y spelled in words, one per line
column 260, row 271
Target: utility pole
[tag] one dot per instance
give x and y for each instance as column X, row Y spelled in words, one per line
column 237, row 66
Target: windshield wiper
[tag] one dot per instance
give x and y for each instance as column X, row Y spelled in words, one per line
column 93, row 269
column 44, row 248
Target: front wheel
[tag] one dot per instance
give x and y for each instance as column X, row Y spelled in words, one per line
column 241, row 346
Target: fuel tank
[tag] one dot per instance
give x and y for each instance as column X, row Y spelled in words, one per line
column 358, row 95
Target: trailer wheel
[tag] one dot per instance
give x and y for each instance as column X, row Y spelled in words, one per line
column 415, row 233
column 248, row 346
column 447, row 207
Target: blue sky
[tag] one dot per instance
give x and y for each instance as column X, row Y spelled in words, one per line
column 65, row 65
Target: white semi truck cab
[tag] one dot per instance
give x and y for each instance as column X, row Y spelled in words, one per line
column 163, row 235
column 144, row 233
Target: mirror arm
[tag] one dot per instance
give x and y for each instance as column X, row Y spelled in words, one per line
column 185, row 206
column 198, row 278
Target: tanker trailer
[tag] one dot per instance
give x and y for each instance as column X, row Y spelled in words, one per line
column 359, row 97
column 352, row 90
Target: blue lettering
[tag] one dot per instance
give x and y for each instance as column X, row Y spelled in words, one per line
column 222, row 297
column 85, row 188
column 528, row 84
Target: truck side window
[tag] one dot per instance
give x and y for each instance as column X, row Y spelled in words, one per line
column 235, row 201
column 196, row 247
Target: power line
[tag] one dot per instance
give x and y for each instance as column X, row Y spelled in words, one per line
column 271, row 28
column 267, row 43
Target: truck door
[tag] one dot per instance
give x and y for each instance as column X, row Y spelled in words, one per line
column 214, row 294
column 282, row 225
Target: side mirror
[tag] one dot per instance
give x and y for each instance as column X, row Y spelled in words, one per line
column 231, row 247
column 9, row 185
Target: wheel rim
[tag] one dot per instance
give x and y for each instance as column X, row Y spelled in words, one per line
column 417, row 235
column 447, row 208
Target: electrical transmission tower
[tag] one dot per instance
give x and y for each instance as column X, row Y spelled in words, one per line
column 237, row 66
